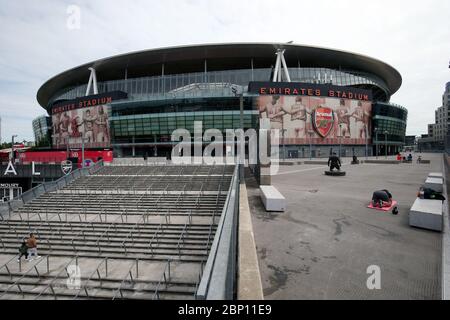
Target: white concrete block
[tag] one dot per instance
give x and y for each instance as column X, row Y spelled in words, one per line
column 426, row 214
column 272, row 199
column 265, row 171
column 434, row 183
column 436, row 175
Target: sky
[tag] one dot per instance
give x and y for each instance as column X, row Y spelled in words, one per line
column 38, row 41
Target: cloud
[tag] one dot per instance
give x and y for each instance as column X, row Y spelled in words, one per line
column 36, row 43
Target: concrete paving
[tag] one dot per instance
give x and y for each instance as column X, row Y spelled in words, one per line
column 322, row 246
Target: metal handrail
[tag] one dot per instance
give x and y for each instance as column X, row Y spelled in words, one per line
column 163, row 277
column 223, row 242
column 136, row 225
column 82, row 232
column 64, row 178
column 105, row 260
column 106, row 231
column 129, row 273
column 56, row 277
column 6, row 266
column 34, row 267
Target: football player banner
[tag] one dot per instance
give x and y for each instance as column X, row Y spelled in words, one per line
column 318, row 120
column 91, row 123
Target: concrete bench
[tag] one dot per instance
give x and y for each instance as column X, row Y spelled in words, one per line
column 436, row 184
column 382, row 161
column 316, row 162
column 436, row 175
column 272, row 199
column 290, row 163
column 426, row 214
column 425, row 161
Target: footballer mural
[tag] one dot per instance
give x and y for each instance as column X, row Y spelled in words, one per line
column 91, row 123
column 326, row 120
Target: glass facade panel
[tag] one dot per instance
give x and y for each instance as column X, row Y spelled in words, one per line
column 42, row 129
column 389, row 118
column 219, row 83
column 165, row 124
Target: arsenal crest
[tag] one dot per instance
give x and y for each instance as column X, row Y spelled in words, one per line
column 66, row 166
column 323, row 120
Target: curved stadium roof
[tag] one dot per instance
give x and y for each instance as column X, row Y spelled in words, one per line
column 225, row 56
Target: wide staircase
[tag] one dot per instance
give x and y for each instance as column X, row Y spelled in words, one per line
column 125, row 232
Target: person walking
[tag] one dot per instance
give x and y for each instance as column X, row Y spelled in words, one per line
column 23, row 250
column 32, row 247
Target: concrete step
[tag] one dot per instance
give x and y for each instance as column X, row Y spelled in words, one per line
column 32, row 285
column 116, row 199
column 157, row 255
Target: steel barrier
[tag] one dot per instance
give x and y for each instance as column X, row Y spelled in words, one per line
column 7, row 207
column 218, row 281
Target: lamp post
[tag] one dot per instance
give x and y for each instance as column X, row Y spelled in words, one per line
column 239, row 92
column 12, row 147
column 310, row 133
column 284, row 146
column 366, row 132
column 340, row 139
column 376, row 142
column 67, row 147
column 385, row 143
column 82, row 152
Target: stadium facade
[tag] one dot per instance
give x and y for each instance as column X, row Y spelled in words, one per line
column 329, row 100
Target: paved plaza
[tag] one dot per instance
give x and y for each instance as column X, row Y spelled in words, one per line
column 321, row 247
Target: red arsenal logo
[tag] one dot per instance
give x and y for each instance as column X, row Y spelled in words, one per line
column 323, row 120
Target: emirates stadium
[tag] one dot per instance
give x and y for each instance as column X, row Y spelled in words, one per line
column 322, row 100
column 129, row 222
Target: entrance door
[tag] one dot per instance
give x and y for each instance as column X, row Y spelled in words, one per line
column 4, row 194
column 15, row 192
column 7, row 194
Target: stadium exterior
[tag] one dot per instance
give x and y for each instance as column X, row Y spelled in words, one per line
column 151, row 93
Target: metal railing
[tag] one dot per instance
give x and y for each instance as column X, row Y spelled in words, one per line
column 445, row 243
column 17, row 282
column 219, row 275
column 28, row 196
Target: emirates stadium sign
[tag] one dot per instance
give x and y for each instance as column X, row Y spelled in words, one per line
column 309, row 89
column 88, row 101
